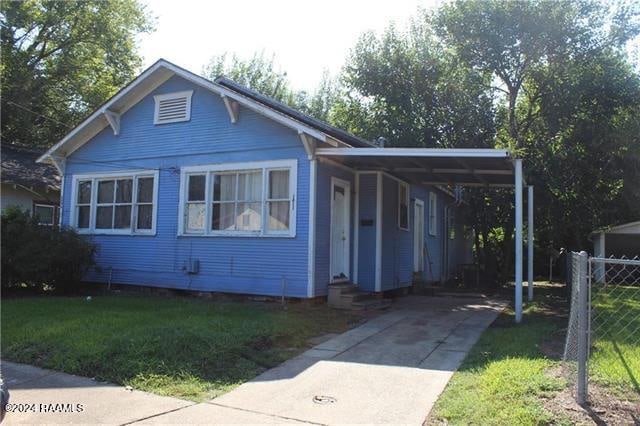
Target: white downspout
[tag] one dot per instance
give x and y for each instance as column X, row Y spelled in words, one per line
column 311, row 252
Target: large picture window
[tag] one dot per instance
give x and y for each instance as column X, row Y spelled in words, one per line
column 115, row 203
column 249, row 199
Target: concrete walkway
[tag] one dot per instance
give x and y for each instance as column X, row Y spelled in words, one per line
column 389, row 370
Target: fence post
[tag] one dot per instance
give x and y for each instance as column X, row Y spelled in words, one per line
column 583, row 323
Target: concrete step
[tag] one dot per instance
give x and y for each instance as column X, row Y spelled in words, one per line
column 336, row 291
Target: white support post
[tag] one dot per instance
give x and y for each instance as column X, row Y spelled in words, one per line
column 356, row 229
column 530, row 242
column 379, row 199
column 518, row 257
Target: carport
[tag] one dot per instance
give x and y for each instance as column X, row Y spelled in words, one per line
column 487, row 168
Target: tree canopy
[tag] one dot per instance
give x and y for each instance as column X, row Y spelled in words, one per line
column 261, row 74
column 61, row 60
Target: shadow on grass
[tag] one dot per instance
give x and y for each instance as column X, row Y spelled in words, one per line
column 625, row 364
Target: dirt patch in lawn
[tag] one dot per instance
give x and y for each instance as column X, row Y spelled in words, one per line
column 603, row 408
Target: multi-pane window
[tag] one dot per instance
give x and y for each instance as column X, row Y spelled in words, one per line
column 403, row 206
column 144, row 203
column 115, row 203
column 45, row 213
column 244, row 201
column 278, row 202
column 237, row 201
column 83, row 204
column 196, row 202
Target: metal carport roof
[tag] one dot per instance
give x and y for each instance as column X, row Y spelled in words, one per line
column 431, row 166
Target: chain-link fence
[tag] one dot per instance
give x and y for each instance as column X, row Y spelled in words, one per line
column 603, row 335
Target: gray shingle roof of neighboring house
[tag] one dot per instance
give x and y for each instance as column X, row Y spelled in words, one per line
column 19, row 167
column 297, row 115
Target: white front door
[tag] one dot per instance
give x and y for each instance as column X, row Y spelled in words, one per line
column 418, row 236
column 340, row 213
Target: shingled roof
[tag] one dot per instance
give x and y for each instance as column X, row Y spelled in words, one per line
column 296, row 115
column 19, row 167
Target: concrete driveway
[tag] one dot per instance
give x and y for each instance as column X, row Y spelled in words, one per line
column 389, row 370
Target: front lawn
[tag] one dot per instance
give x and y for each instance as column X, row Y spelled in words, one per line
column 503, row 380
column 187, row 348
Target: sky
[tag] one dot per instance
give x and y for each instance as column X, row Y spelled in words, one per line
column 306, row 37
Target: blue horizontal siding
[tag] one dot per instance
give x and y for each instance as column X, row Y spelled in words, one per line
column 367, row 234
column 230, row 264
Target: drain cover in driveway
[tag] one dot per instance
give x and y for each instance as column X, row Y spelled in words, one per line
column 324, row 400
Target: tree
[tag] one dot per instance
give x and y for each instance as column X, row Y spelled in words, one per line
column 584, row 144
column 61, row 60
column 260, row 73
column 410, row 89
column 513, row 39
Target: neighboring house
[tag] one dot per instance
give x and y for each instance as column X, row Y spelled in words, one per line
column 205, row 185
column 31, row 186
column 617, row 241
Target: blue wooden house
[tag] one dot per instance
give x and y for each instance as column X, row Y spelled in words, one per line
column 188, row 183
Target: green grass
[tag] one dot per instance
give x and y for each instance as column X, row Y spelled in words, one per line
column 503, row 379
column 615, row 353
column 187, row 348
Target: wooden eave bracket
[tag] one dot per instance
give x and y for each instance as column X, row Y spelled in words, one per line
column 309, row 145
column 59, row 163
column 232, row 108
column 114, row 120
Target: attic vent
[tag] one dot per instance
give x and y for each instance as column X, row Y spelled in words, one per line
column 173, row 107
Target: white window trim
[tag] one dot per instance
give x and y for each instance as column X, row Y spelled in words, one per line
column 94, row 178
column 46, row 206
column 265, row 166
column 433, row 214
column 158, row 98
column 407, row 198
